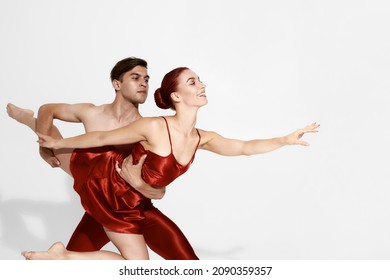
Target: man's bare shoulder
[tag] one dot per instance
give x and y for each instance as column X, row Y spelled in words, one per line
column 73, row 107
column 90, row 108
column 87, row 112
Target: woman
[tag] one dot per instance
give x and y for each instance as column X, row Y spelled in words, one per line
column 170, row 144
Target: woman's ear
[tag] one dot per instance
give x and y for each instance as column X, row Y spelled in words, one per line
column 175, row 97
column 116, row 84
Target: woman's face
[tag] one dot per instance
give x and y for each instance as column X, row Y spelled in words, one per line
column 191, row 90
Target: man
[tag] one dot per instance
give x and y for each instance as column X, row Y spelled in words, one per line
column 129, row 78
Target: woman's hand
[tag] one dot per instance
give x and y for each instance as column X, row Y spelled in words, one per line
column 46, row 141
column 295, row 137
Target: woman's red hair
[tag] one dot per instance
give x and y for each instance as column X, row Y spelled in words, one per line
column 162, row 95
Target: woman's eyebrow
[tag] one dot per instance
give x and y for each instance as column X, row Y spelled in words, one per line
column 191, row 78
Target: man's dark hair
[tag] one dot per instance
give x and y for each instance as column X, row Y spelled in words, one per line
column 121, row 67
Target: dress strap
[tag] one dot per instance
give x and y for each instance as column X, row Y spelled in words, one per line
column 169, row 133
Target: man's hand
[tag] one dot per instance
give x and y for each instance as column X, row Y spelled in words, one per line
column 48, row 155
column 131, row 173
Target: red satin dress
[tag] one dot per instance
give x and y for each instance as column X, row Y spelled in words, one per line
column 110, row 202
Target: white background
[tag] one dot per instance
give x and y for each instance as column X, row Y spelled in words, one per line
column 270, row 67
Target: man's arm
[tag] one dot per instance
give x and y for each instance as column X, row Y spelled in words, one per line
column 65, row 112
column 131, row 173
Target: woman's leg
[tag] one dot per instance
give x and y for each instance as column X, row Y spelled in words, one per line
column 88, row 236
column 131, row 246
column 81, row 239
column 26, row 117
column 88, row 227
column 58, row 252
column 165, row 238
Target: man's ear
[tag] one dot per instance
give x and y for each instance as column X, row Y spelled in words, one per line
column 116, row 84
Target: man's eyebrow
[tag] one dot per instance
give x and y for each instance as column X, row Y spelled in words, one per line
column 139, row 75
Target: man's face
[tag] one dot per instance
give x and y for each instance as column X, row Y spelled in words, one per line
column 134, row 85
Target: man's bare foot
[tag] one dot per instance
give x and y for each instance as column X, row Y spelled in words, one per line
column 56, row 252
column 24, row 116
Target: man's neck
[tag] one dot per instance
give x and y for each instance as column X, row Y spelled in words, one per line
column 122, row 112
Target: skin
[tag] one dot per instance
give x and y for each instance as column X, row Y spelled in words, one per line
column 152, row 134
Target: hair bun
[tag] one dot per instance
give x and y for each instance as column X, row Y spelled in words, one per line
column 159, row 100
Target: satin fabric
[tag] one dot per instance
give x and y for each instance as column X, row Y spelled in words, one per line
column 161, row 235
column 111, row 202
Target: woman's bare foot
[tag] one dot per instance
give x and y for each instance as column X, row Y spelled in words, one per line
column 18, row 113
column 56, row 252
column 24, row 116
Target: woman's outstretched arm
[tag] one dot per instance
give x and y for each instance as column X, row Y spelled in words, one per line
column 214, row 142
column 132, row 133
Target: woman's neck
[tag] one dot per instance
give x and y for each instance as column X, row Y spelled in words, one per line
column 185, row 121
